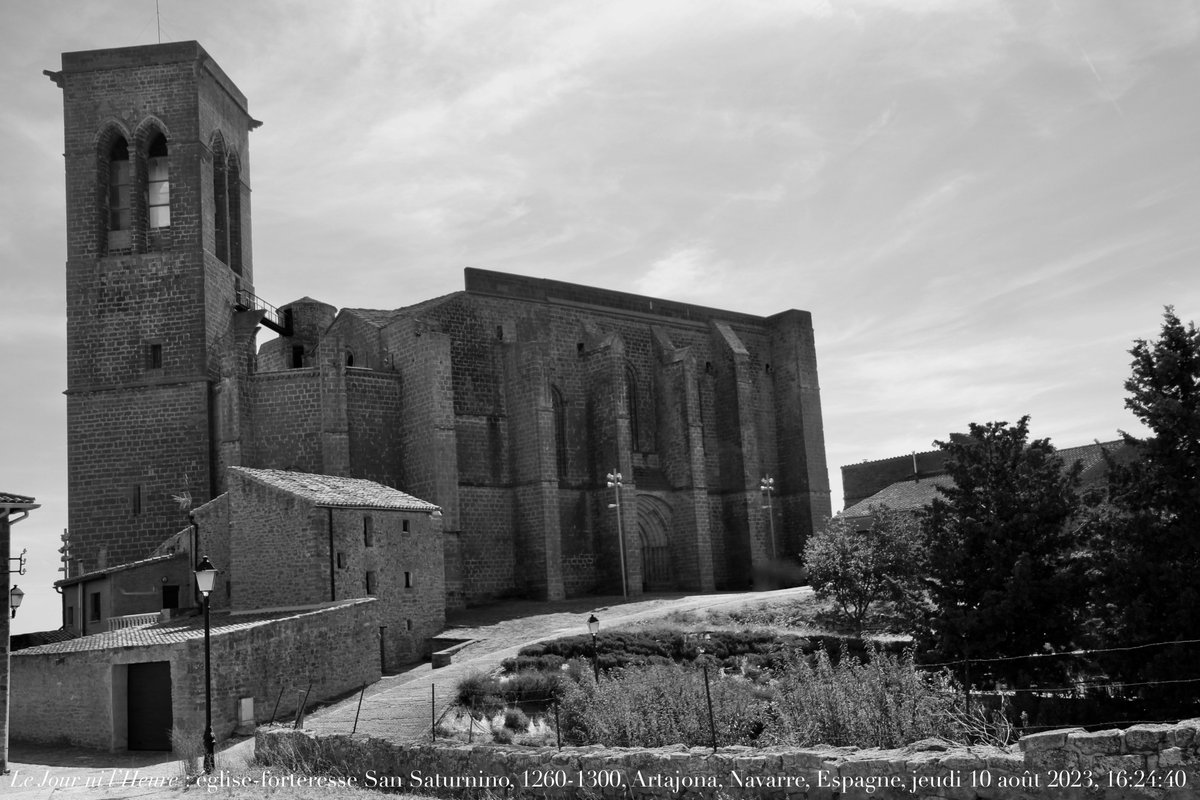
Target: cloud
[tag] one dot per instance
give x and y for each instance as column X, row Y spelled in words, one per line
column 691, row 272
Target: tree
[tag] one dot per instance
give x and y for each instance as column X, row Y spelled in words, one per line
column 1147, row 537
column 1004, row 563
column 859, row 569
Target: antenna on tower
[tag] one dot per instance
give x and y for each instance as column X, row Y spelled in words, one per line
column 158, row 21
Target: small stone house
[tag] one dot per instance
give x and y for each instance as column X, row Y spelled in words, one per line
column 130, row 688
column 127, row 594
column 286, row 539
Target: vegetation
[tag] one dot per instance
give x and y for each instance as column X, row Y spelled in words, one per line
column 881, row 702
column 859, row 570
column 1005, row 572
column 1144, row 538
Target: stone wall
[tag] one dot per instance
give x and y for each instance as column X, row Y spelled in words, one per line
column 1150, row 761
column 61, row 694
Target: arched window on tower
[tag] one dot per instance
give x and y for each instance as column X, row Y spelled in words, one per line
column 120, row 194
column 560, row 431
column 158, row 184
column 220, row 200
column 233, row 184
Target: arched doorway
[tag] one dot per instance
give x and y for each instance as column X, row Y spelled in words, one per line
column 654, row 539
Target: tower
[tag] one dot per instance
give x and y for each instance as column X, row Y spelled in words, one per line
column 158, row 263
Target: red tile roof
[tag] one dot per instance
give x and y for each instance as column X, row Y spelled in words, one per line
column 336, row 491
column 179, row 629
column 910, row 495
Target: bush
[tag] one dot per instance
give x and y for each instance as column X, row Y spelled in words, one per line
column 858, row 569
column 531, row 687
column 885, row 702
column 480, row 694
column 661, row 705
column 515, row 720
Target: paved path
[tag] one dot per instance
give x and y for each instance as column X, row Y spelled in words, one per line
column 401, row 707
column 397, row 707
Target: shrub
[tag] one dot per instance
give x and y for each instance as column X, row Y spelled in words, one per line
column 480, row 694
column 885, row 702
column 515, row 720
column 858, row 569
column 660, row 705
column 531, row 687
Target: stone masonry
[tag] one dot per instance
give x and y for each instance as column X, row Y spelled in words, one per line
column 1145, row 761
column 505, row 404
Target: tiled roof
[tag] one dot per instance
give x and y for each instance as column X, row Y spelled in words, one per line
column 905, row 495
column 21, row 641
column 909, row 495
column 9, row 499
column 335, row 491
column 117, row 568
column 179, row 629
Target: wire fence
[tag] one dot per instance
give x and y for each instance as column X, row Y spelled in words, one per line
column 433, row 714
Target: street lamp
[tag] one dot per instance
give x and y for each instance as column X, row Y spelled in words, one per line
column 594, row 628
column 206, row 578
column 614, row 482
column 767, row 486
column 15, row 596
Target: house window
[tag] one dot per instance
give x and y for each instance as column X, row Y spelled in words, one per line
column 154, row 357
column 341, row 560
column 404, row 526
column 70, row 620
column 94, row 607
column 371, row 584
column 297, row 356
column 408, row 624
column 368, row 532
column 135, row 499
column 158, row 185
column 408, row 580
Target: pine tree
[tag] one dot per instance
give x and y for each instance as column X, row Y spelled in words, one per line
column 1003, row 555
column 1147, row 538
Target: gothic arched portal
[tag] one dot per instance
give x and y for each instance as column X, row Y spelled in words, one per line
column 654, row 539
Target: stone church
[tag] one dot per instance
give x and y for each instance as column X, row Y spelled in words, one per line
column 506, row 404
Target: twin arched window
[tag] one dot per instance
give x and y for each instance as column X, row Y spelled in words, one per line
column 136, row 190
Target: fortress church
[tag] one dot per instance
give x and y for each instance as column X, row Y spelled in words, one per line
column 365, row 469
column 504, row 406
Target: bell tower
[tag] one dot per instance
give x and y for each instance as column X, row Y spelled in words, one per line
column 158, row 261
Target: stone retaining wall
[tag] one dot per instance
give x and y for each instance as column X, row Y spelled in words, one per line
column 1152, row 761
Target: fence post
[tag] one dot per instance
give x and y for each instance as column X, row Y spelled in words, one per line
column 363, row 691
column 967, row 687
column 557, row 727
column 433, row 712
column 275, row 710
column 303, row 705
column 712, row 726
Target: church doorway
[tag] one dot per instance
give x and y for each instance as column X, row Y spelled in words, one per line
column 655, row 543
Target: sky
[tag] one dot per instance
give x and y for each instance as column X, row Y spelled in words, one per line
column 982, row 203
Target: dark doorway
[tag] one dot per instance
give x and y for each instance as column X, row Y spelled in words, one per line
column 149, row 706
column 170, row 596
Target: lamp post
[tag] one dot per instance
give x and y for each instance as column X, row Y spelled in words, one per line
column 614, row 482
column 767, row 486
column 206, row 577
column 15, row 596
column 594, row 628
